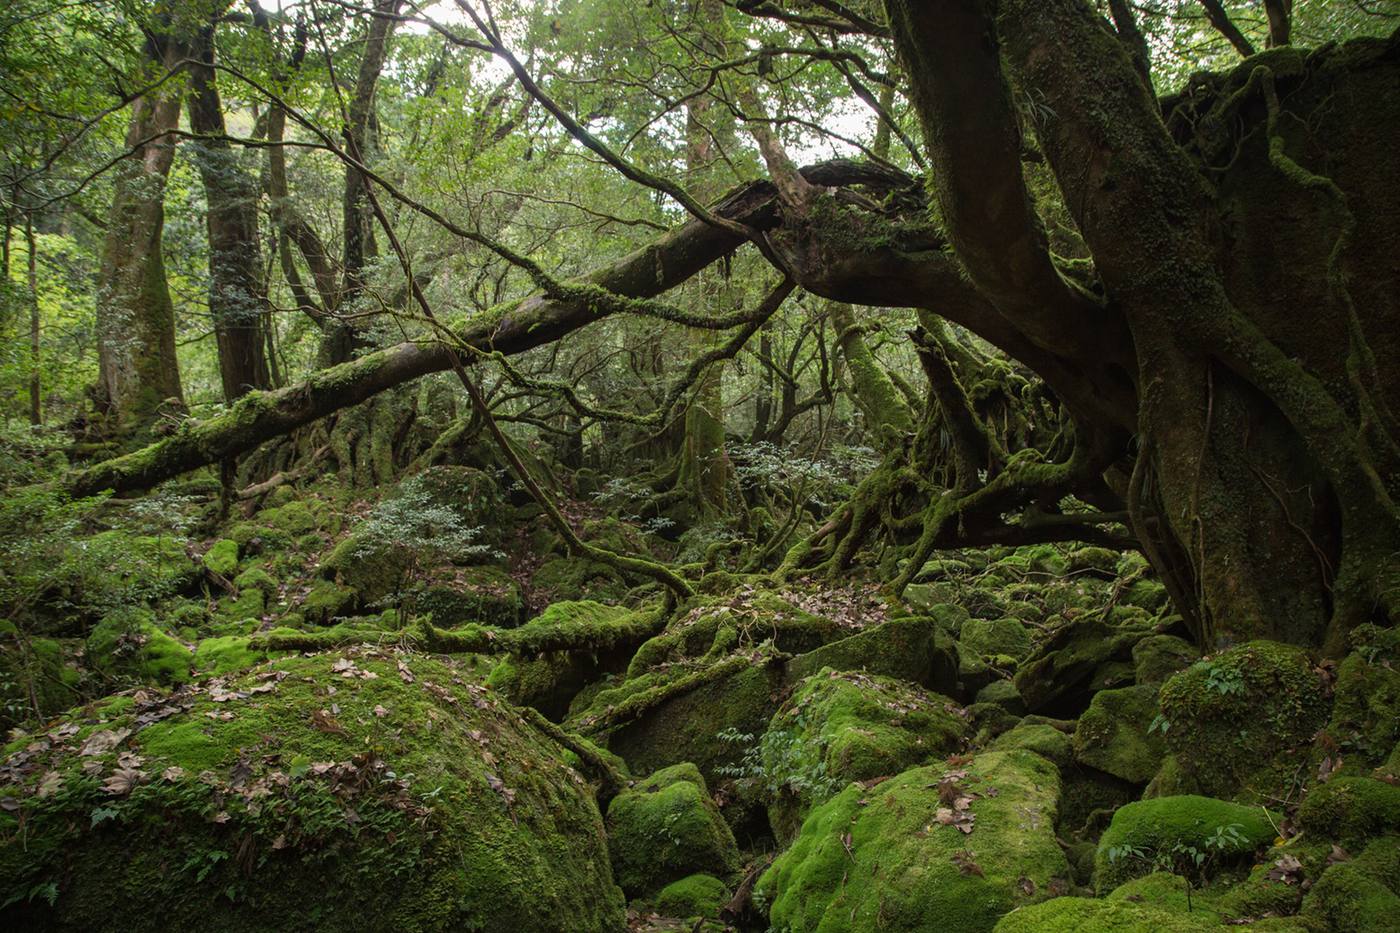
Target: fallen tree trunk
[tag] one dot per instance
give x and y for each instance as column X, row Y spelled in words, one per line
column 510, row 328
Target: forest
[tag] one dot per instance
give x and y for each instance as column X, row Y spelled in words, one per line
column 802, row 466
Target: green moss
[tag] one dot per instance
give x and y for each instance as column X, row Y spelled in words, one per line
column 1157, row 657
column 1233, row 719
column 327, row 601
column 419, row 803
column 1003, row 693
column 222, row 558
column 988, row 637
column 879, row 859
column 1115, row 734
column 255, row 578
column 1062, row 669
column 225, row 654
column 665, row 828
column 1361, row 895
column 1269, row 892
column 548, row 681
column 1365, row 721
column 692, row 896
column 1168, row 892
column 562, row 578
column 484, row 595
column 34, row 671
column 1158, row 826
column 128, row 645
column 1045, row 740
column 1087, row 915
column 1351, row 809
column 840, row 727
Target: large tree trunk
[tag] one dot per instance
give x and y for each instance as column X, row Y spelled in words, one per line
column 237, row 293
column 135, row 316
column 704, row 466
column 1249, row 270
column 345, row 336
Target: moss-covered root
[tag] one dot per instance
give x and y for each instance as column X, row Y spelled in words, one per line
column 665, row 828
column 598, row 721
column 361, row 790
column 894, row 858
column 569, row 626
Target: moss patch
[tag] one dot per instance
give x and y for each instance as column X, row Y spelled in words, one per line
column 1157, row 827
column 879, row 859
column 665, row 828
column 1115, row 734
column 407, row 799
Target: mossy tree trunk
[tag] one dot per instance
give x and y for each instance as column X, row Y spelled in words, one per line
column 237, row 292
column 1264, row 468
column 704, row 465
column 139, row 372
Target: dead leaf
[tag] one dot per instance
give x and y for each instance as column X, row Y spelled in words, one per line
column 99, row 743
column 967, row 864
column 121, row 781
column 50, row 783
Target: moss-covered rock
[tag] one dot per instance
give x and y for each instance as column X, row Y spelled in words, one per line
column 879, row 858
column 1003, row 693
column 1361, row 895
column 222, row 558
column 1168, row 826
column 1365, row 722
column 994, row 637
column 844, row 726
column 406, row 800
column 1276, row 885
column 1043, row 739
column 1173, row 893
column 128, row 645
column 1157, row 657
column 1351, row 809
column 565, row 578
column 225, row 654
column 1115, row 734
column 1235, row 721
column 1059, row 677
column 665, row 828
column 692, row 896
column 1088, row 915
column 327, row 601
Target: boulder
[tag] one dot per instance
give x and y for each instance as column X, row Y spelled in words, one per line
column 1172, row 828
column 666, row 828
column 1116, row 734
column 889, row 858
column 408, row 799
column 1236, row 721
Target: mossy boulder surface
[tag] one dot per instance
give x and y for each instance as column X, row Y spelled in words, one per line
column 1088, row 915
column 1365, row 720
column 1116, row 734
column 1361, row 895
column 1157, row 657
column 1350, row 810
column 127, row 645
column 844, row 726
column 881, row 858
column 665, row 828
column 1043, row 739
column 994, row 637
column 692, row 896
column 222, row 558
column 1234, row 719
column 1161, row 825
column 408, row 799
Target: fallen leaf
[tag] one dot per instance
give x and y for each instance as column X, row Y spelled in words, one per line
column 50, row 783
column 99, row 743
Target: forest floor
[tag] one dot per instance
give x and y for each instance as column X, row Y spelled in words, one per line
column 415, row 710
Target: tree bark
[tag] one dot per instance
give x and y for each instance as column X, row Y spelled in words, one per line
column 237, row 292
column 135, row 317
